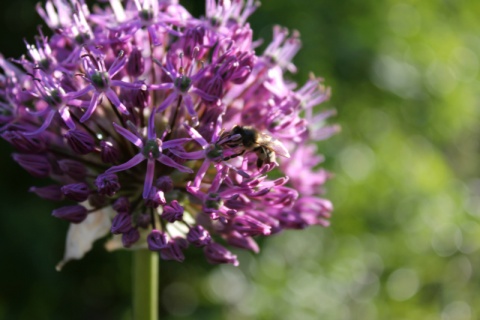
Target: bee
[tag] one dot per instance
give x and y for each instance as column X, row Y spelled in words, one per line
column 247, row 138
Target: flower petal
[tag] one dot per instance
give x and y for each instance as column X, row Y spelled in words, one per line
column 175, row 143
column 91, row 108
column 196, row 136
column 112, row 96
column 127, row 165
column 171, row 163
column 148, row 178
column 128, row 135
column 44, row 125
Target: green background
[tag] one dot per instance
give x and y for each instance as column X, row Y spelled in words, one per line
column 405, row 235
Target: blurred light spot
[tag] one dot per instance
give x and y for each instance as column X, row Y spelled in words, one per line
column 465, row 64
column 396, row 76
column 457, row 310
column 438, row 211
column 461, row 269
column 374, row 262
column 404, row 19
column 252, row 302
column 365, row 288
column 445, row 242
column 304, row 290
column 440, row 79
column 472, row 203
column 471, row 237
column 402, row 284
column 357, row 161
column 376, row 125
column 363, row 311
column 227, row 284
column 406, row 214
column 179, row 299
column 272, row 264
column 419, row 241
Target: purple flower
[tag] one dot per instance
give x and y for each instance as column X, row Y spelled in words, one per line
column 182, row 84
column 151, row 149
column 53, row 95
column 172, row 121
column 101, row 81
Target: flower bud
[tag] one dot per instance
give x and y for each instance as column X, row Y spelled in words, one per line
column 107, row 184
column 130, row 237
column 250, row 226
column 108, row 152
column 76, row 191
column 52, row 192
column 174, row 250
column 23, row 143
column 172, row 212
column 80, row 142
column 122, row 205
column 143, row 220
column 74, row 214
column 198, row 236
column 216, row 253
column 136, row 63
column 73, row 168
column 157, row 240
column 97, row 200
column 194, row 40
column 164, row 183
column 121, row 223
column 237, row 240
column 36, row 165
column 136, row 98
column 155, row 199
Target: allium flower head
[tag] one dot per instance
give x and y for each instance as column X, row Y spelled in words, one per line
column 163, row 129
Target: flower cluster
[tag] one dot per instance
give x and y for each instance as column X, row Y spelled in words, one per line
column 165, row 129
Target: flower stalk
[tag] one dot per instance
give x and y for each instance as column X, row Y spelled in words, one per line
column 145, row 284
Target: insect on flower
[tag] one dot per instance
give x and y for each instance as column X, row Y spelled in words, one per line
column 250, row 139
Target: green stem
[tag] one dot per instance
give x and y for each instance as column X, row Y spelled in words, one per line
column 145, row 285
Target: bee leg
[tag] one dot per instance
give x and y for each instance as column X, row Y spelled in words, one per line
column 262, row 156
column 233, row 156
column 260, row 163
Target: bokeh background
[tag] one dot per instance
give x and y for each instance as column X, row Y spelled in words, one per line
column 405, row 235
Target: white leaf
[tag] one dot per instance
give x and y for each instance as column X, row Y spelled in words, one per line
column 81, row 236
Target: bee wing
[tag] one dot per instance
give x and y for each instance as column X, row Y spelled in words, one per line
column 273, row 144
column 279, row 148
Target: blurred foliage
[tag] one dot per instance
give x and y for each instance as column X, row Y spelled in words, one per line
column 405, row 236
